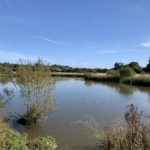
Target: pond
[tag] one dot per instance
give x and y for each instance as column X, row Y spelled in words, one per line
column 77, row 99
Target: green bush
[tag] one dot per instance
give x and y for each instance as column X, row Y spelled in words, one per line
column 126, row 72
column 148, row 66
column 45, row 143
column 88, row 74
column 12, row 140
column 113, row 73
column 135, row 66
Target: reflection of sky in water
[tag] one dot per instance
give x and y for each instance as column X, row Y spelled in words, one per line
column 76, row 99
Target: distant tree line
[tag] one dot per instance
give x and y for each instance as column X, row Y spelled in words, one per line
column 9, row 67
column 60, row 68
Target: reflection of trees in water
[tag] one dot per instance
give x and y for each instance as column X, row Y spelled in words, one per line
column 125, row 90
column 129, row 90
column 121, row 88
column 57, row 79
column 88, row 83
column 6, row 95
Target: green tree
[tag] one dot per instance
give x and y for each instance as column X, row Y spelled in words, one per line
column 148, row 66
column 118, row 65
column 135, row 66
column 126, row 72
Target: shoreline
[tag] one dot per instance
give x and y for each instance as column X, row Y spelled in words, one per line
column 137, row 80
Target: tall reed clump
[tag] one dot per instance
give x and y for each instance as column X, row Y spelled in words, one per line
column 130, row 134
column 134, row 135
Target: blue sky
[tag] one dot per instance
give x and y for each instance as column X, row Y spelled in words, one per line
column 85, row 33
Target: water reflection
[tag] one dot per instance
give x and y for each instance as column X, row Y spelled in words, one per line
column 121, row 88
column 5, row 80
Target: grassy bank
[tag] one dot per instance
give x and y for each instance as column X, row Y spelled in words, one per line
column 101, row 77
column 67, row 74
column 139, row 80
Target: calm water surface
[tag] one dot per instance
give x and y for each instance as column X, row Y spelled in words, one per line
column 76, row 100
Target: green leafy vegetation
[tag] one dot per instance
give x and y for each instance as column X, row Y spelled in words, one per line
column 114, row 73
column 147, row 68
column 12, row 140
column 135, row 66
column 44, row 143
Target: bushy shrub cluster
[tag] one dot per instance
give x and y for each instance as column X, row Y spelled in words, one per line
column 126, row 72
column 134, row 135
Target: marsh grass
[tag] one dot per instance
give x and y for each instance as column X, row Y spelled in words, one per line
column 104, row 78
column 132, row 133
column 142, row 80
column 113, row 76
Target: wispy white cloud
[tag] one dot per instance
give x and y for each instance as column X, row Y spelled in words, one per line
column 49, row 40
column 107, row 51
column 145, row 44
column 11, row 56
